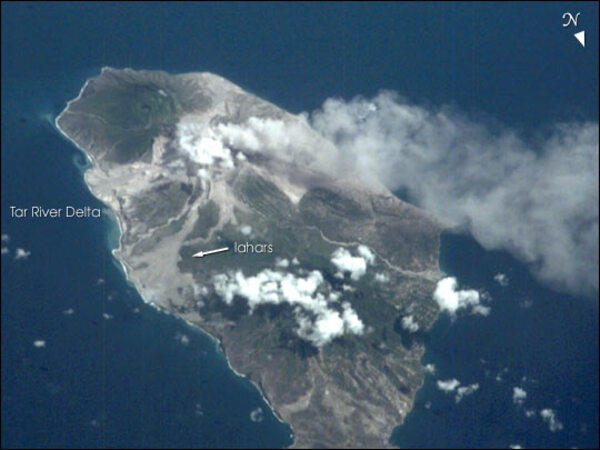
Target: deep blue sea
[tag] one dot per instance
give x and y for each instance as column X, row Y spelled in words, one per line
column 116, row 373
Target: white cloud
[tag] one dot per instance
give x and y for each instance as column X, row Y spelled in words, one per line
column 366, row 253
column 382, row 277
column 199, row 291
column 525, row 303
column 246, row 230
column 177, row 165
column 22, row 253
column 409, row 324
column 430, row 369
column 319, row 315
column 202, row 145
column 356, row 266
column 282, row 263
column 448, row 385
column 452, row 300
column 453, row 385
column 182, row 338
column 204, row 174
column 501, row 279
column 257, row 414
column 289, row 139
column 5, row 250
column 351, row 320
column 481, row 310
column 516, row 446
column 519, row 395
column 549, row 416
column 538, row 199
column 39, row 344
column 5, row 238
column 463, row 391
column 327, row 326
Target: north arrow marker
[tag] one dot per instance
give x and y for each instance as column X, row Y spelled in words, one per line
column 580, row 37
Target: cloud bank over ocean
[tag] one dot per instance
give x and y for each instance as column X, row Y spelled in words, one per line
column 537, row 199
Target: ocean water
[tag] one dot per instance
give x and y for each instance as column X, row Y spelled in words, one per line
column 535, row 339
column 114, row 372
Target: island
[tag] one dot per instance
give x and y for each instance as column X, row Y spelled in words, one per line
column 324, row 294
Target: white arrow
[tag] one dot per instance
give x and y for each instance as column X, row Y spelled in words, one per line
column 209, row 252
column 580, row 37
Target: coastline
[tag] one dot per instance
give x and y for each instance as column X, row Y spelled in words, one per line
column 218, row 343
column 116, row 251
column 130, row 278
column 93, row 163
